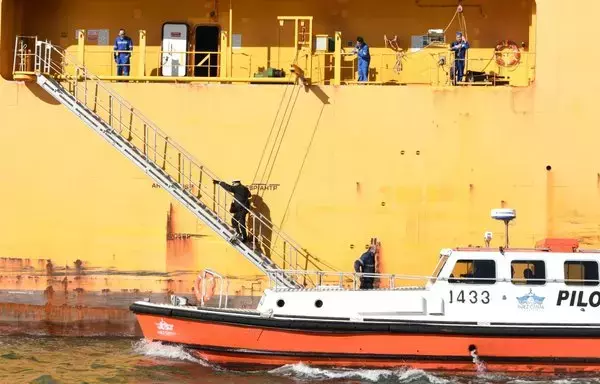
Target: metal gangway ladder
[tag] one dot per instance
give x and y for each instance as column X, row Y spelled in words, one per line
column 161, row 158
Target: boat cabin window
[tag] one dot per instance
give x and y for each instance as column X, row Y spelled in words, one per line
column 530, row 272
column 581, row 273
column 474, row 272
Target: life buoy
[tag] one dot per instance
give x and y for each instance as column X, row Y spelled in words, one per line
column 210, row 288
column 516, row 53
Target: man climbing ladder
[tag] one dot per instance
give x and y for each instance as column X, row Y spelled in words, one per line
column 239, row 207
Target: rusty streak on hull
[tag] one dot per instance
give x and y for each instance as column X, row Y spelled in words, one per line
column 40, row 297
column 65, row 320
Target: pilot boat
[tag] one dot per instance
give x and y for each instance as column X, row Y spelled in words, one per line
column 499, row 309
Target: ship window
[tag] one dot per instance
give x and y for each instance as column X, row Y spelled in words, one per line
column 581, row 273
column 530, row 272
column 474, row 272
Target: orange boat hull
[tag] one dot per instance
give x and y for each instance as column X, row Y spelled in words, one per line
column 239, row 345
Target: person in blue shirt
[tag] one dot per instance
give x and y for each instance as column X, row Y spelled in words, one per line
column 364, row 58
column 459, row 46
column 366, row 264
column 123, row 47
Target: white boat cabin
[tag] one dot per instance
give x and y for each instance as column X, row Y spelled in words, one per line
column 512, row 286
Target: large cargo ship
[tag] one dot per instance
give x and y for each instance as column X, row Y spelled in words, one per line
column 267, row 92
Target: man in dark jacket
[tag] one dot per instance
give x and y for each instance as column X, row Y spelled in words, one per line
column 239, row 207
column 366, row 264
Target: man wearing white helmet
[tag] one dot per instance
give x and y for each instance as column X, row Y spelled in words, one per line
column 239, row 206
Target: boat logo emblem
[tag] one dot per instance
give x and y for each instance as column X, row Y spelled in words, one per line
column 531, row 302
column 164, row 328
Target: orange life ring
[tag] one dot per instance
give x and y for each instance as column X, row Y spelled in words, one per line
column 210, row 288
column 516, row 53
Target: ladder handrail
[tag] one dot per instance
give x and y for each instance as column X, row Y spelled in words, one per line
column 174, row 144
column 45, row 56
column 196, row 206
column 212, row 199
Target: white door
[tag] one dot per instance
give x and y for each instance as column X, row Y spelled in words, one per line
column 174, row 46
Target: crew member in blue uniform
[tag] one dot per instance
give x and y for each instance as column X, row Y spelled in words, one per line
column 364, row 58
column 239, row 207
column 459, row 46
column 366, row 264
column 123, row 47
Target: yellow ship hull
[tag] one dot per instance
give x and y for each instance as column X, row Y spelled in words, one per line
column 85, row 233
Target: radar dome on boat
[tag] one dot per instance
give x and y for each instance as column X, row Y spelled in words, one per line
column 503, row 214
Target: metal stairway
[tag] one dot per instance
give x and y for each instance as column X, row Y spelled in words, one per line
column 165, row 162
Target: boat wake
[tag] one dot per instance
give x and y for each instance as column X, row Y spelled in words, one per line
column 158, row 349
column 304, row 371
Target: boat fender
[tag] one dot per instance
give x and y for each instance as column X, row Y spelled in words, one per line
column 210, row 288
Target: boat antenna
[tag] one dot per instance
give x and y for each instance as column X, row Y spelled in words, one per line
column 506, row 215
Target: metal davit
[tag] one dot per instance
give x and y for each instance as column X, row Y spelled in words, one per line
column 163, row 160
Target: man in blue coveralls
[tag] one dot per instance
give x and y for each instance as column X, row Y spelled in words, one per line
column 459, row 46
column 123, row 48
column 366, row 264
column 364, row 58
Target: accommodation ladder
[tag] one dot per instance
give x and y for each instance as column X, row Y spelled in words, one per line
column 163, row 160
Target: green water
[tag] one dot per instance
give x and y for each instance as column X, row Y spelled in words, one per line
column 52, row 360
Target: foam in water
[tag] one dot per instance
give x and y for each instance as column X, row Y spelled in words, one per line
column 157, row 349
column 374, row 375
column 402, row 375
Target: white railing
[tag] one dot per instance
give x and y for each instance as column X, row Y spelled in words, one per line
column 208, row 275
column 347, row 280
column 387, row 281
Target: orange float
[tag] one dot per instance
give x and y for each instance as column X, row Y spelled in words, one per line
column 210, row 287
column 507, row 45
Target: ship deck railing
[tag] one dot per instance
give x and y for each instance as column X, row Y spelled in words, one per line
column 431, row 65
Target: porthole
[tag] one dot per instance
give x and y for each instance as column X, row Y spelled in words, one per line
column 280, row 303
column 318, row 303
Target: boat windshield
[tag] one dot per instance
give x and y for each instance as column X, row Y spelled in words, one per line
column 438, row 268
